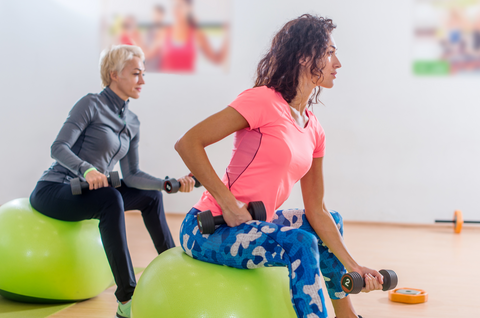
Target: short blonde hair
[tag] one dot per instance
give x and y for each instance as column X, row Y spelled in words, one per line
column 115, row 58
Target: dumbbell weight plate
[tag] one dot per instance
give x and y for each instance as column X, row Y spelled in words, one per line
column 115, row 179
column 458, row 221
column 75, row 186
column 171, row 185
column 206, row 222
column 258, row 210
column 352, row 283
column 390, row 279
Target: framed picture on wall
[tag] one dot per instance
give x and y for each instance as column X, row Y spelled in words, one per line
column 177, row 36
column 446, row 37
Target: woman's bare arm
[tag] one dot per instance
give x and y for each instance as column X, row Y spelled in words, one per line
column 191, row 147
column 324, row 225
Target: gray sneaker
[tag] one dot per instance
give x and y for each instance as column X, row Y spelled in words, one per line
column 124, row 310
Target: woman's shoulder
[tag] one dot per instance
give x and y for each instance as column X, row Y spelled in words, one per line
column 91, row 99
column 87, row 103
column 262, row 97
column 262, row 92
column 260, row 106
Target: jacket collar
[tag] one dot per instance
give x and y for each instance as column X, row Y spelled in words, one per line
column 117, row 105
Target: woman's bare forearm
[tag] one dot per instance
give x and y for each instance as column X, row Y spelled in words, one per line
column 319, row 217
column 191, row 147
column 324, row 225
column 195, row 158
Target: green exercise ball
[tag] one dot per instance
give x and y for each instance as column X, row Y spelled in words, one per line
column 48, row 261
column 175, row 285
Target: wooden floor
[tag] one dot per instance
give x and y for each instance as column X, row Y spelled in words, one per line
column 432, row 258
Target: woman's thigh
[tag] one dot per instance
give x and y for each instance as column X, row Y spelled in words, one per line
column 249, row 245
column 55, row 200
column 137, row 199
column 296, row 218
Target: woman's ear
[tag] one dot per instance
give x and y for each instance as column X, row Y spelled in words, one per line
column 114, row 76
column 304, row 61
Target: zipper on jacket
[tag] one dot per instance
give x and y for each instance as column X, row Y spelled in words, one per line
column 120, row 141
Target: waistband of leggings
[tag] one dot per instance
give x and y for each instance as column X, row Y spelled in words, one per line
column 194, row 212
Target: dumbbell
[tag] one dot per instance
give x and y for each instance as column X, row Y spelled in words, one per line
column 457, row 221
column 352, row 283
column 78, row 186
column 173, row 185
column 206, row 221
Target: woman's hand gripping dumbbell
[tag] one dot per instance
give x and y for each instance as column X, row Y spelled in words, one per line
column 78, row 186
column 353, row 282
column 206, row 221
column 173, row 185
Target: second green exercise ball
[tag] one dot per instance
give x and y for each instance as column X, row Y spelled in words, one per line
column 175, row 285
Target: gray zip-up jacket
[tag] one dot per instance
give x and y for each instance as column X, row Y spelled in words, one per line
column 99, row 131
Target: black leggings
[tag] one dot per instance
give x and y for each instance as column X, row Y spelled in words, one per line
column 108, row 205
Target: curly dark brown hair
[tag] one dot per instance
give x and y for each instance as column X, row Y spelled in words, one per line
column 305, row 37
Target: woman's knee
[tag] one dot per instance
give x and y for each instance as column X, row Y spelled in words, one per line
column 291, row 217
column 153, row 200
column 155, row 195
column 310, row 240
column 111, row 201
column 300, row 241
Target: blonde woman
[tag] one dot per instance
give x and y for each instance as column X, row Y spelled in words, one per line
column 101, row 130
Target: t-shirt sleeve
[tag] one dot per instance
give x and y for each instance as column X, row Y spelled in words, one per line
column 259, row 106
column 319, row 141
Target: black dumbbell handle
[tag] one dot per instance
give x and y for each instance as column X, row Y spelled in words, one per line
column 452, row 221
column 207, row 222
column 78, row 186
column 219, row 220
column 85, row 186
column 197, row 183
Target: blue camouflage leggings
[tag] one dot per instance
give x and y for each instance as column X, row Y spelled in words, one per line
column 288, row 241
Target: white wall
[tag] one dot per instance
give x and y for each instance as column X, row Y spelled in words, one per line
column 399, row 148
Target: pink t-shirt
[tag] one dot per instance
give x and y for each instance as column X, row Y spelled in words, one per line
column 271, row 155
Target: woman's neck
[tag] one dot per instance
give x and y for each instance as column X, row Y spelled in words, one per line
column 114, row 87
column 300, row 102
column 304, row 90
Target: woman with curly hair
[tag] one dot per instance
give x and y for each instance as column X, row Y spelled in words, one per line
column 278, row 141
